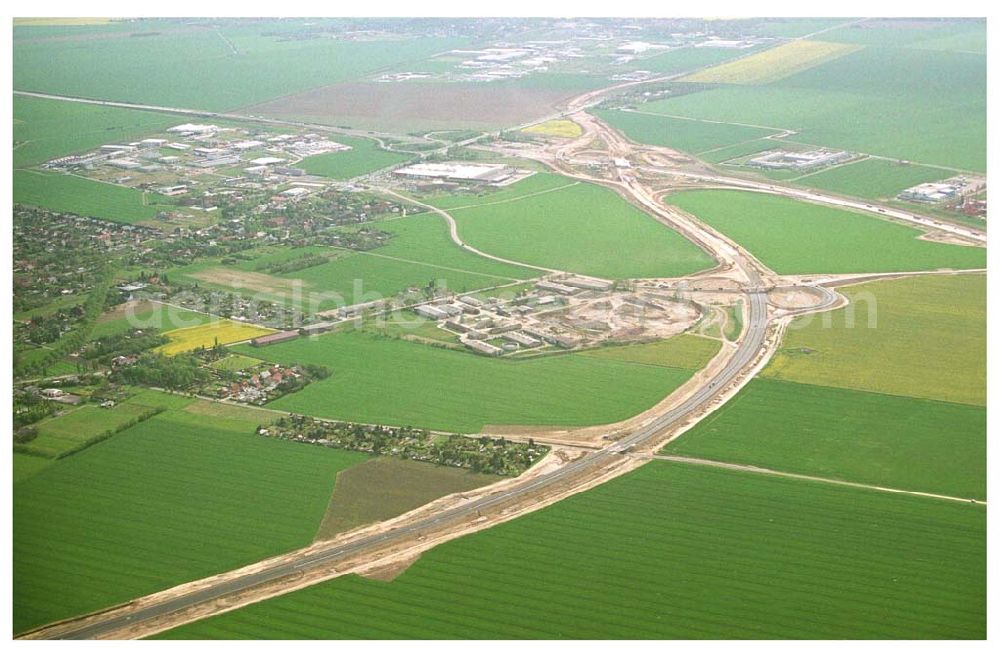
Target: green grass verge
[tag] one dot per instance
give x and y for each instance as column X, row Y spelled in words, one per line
column 884, row 440
column 795, row 237
column 397, row 382
column 170, row 500
column 700, row 553
column 734, row 321
column 919, row 337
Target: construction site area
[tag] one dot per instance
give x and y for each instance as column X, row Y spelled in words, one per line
column 562, row 313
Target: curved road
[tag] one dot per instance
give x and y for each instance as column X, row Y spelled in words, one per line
column 579, row 471
column 743, row 357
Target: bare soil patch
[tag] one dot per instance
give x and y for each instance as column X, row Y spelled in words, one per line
column 386, row 487
column 245, row 280
column 794, row 298
column 403, row 106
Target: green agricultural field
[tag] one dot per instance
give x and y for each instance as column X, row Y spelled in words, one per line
column 581, row 228
column 234, row 363
column 203, row 66
column 884, row 440
column 701, row 553
column 172, row 499
column 425, row 238
column 57, row 368
column 928, row 340
column 364, row 157
column 397, row 382
column 682, row 134
column 872, row 178
column 959, row 35
column 407, row 323
column 795, row 237
column 420, row 252
column 67, row 193
column 794, row 27
column 386, row 487
column 46, row 129
column 682, row 60
column 537, row 183
column 63, row 433
column 684, row 351
column 28, row 465
column 743, row 150
column 925, row 106
column 147, row 315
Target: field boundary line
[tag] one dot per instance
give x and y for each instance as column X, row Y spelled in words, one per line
column 516, row 198
column 434, row 266
column 804, row 477
column 824, row 170
column 697, row 120
column 830, row 29
column 721, row 148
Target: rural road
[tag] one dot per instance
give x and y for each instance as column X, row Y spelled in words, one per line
column 827, row 199
column 453, row 233
column 228, row 116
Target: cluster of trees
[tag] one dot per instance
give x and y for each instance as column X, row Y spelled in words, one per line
column 171, row 373
column 30, row 408
column 487, row 455
column 104, row 435
column 133, row 341
column 294, row 264
column 73, row 340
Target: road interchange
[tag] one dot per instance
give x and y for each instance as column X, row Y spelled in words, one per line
column 134, row 619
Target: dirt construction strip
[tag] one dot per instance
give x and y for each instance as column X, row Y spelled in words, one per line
column 793, row 475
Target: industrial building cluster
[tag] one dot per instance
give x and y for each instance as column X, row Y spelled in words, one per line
column 945, row 190
column 568, row 312
column 185, row 162
column 795, row 161
column 453, row 174
column 583, row 48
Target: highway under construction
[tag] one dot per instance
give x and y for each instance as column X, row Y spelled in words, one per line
column 367, row 548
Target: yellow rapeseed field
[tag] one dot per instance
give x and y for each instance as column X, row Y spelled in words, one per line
column 227, row 332
column 773, row 64
column 556, row 128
